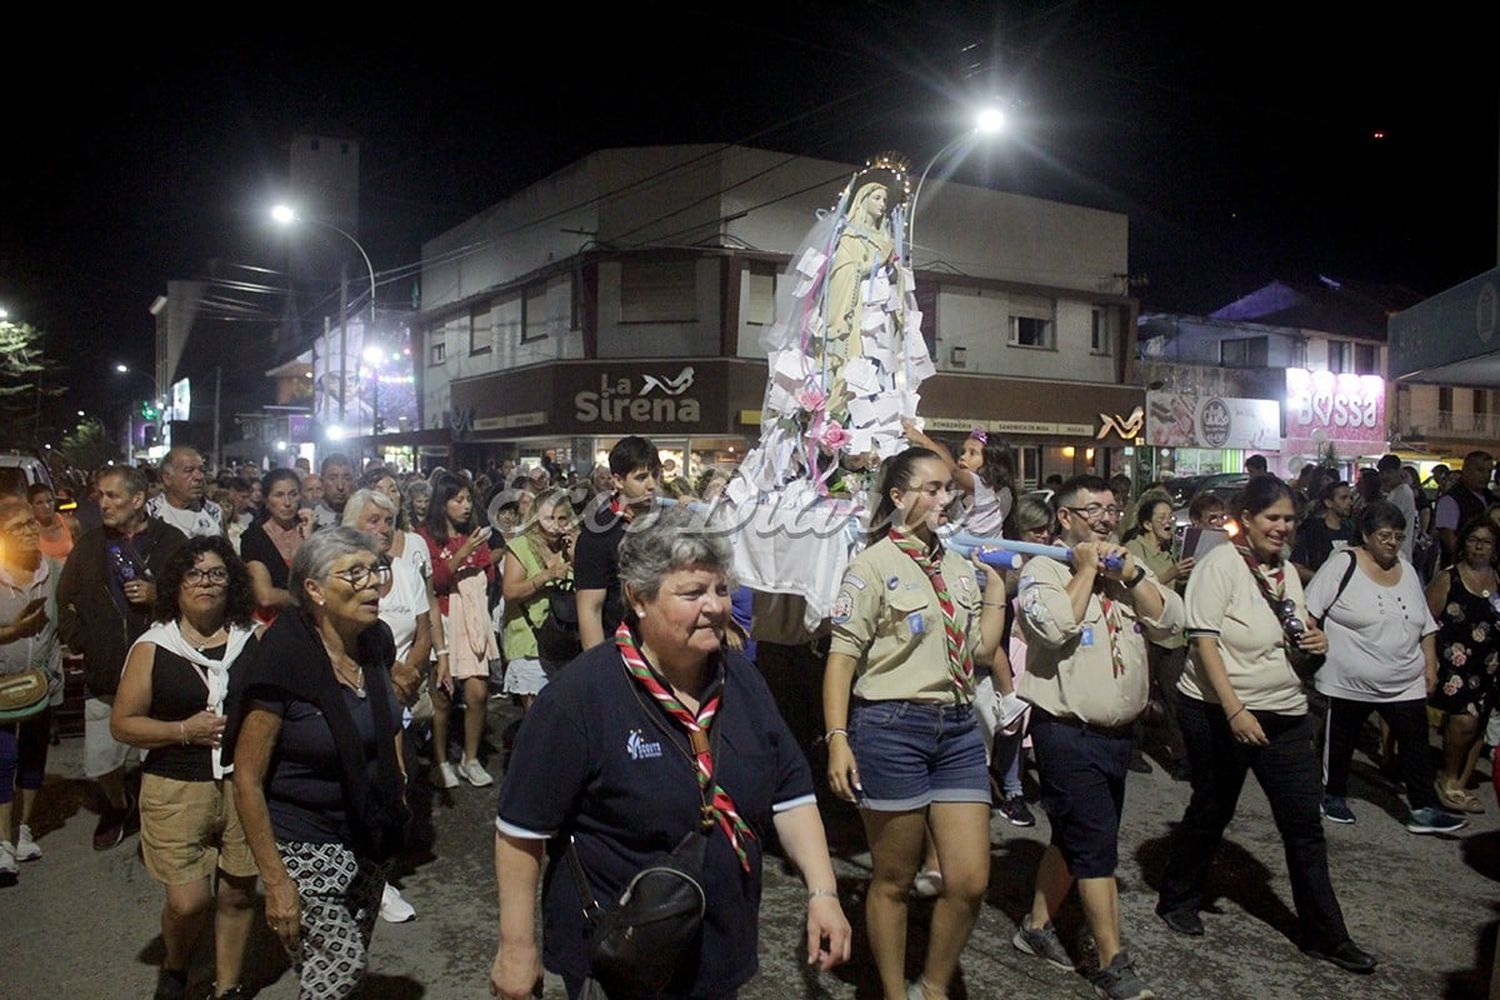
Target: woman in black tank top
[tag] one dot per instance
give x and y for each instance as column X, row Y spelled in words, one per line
column 171, row 702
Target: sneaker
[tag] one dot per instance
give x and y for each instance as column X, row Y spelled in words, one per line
column 1043, row 944
column 474, row 773
column 110, row 829
column 26, row 847
column 394, row 909
column 9, row 872
column 928, row 884
column 1336, row 810
column 1013, row 808
column 1185, row 922
column 1428, row 819
column 443, row 776
column 1012, row 707
column 235, row 992
column 1118, row 981
column 1140, row 765
column 170, row 985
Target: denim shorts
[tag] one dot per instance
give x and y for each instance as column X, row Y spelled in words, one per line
column 911, row 754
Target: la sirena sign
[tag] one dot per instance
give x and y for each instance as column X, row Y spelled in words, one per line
column 647, row 399
column 1335, row 407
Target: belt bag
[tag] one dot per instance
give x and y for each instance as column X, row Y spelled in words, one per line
column 23, row 695
column 640, row 945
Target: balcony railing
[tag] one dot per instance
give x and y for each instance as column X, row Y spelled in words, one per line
column 1466, row 426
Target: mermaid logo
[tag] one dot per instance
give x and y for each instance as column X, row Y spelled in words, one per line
column 1128, row 428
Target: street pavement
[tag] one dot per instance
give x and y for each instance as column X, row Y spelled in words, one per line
column 86, row 924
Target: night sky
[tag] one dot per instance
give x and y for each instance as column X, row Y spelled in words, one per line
column 1241, row 145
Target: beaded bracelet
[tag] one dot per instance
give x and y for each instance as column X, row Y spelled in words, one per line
column 828, row 736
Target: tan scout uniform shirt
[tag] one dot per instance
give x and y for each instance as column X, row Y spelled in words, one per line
column 1223, row 602
column 888, row 619
column 1069, row 670
column 1158, row 560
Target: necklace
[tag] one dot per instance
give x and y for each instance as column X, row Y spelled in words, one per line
column 198, row 640
column 355, row 680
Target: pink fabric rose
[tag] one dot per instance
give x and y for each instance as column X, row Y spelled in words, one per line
column 834, row 436
column 1453, row 684
column 812, row 399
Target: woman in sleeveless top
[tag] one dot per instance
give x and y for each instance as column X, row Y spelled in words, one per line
column 171, row 702
column 1465, row 600
column 536, row 563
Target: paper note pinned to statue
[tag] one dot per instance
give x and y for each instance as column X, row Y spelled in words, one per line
column 862, row 377
column 912, row 329
column 877, row 287
column 879, row 412
column 860, row 440
column 922, row 366
column 871, row 321
column 812, row 262
column 803, row 287
column 790, row 369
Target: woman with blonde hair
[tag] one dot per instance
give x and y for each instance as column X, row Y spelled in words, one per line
column 537, row 564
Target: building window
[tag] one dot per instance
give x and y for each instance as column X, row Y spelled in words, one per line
column 1445, row 399
column 439, row 353
column 481, row 328
column 1246, row 352
column 658, row 291
column 1340, row 356
column 1367, row 359
column 535, row 318
column 760, row 307
column 1030, row 331
column 1102, row 333
column 1298, row 353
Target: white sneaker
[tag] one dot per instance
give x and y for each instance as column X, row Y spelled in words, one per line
column 26, row 848
column 8, row 869
column 443, row 776
column 474, row 773
column 928, row 884
column 394, row 909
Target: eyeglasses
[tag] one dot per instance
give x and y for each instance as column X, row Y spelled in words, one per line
column 1217, row 520
column 360, row 577
column 1094, row 512
column 1481, row 543
column 218, row 576
column 1286, row 613
column 1389, row 536
column 22, row 527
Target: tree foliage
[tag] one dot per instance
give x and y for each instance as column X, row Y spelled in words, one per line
column 27, row 373
column 88, row 445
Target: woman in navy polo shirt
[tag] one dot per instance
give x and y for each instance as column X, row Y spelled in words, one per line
column 607, row 757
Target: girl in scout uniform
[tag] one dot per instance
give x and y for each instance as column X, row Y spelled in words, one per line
column 907, row 749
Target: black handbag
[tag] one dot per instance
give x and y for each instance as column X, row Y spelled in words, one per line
column 640, row 946
column 557, row 638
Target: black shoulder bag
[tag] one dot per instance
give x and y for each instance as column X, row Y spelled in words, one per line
column 1343, row 585
column 557, row 638
column 640, row 945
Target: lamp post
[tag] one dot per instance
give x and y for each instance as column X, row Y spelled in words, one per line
column 156, row 400
column 285, row 215
column 375, row 357
column 989, row 121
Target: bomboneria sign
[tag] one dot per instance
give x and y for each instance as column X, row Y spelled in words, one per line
column 1176, row 420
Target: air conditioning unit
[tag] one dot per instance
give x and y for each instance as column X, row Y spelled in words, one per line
column 958, row 357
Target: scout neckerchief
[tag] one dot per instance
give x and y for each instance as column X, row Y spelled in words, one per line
column 1272, row 582
column 960, row 662
column 721, row 805
column 1112, row 633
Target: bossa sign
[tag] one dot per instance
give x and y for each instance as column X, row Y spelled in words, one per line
column 1335, row 407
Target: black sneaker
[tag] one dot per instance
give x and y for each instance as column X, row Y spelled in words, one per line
column 1013, row 808
column 1186, row 922
column 170, row 985
column 1346, row 955
column 1118, row 981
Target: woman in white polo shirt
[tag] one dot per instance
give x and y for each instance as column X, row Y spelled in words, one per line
column 1243, row 708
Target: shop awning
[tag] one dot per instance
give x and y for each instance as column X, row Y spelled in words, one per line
column 1450, row 339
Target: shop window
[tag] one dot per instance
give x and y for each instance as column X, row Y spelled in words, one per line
column 1340, row 356
column 1102, row 334
column 1367, row 359
column 1246, row 352
column 481, row 331
column 658, row 291
column 760, row 305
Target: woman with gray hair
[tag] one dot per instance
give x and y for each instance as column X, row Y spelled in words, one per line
column 315, row 736
column 640, row 743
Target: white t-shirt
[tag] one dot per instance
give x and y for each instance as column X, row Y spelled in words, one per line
column 401, row 607
column 205, row 522
column 989, row 510
column 414, row 552
column 1374, row 634
column 1406, row 502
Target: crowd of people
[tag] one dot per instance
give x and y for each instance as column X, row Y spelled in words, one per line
column 280, row 643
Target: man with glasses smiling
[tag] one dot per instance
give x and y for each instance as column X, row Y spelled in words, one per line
column 1087, row 680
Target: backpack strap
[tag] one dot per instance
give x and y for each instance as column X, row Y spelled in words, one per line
column 1343, row 585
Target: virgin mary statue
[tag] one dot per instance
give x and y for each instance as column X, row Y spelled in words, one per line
column 846, row 351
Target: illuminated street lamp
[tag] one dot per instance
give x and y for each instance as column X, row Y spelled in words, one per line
column 990, row 121
column 286, row 215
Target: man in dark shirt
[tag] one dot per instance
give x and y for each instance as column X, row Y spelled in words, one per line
column 1322, row 532
column 635, row 469
column 104, row 600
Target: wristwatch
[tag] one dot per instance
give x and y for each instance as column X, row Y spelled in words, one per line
column 1134, row 581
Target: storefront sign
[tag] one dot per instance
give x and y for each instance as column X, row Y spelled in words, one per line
column 1174, row 420
column 649, row 398
column 1128, row 428
column 1343, row 407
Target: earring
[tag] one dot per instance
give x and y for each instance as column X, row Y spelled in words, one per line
column 641, row 613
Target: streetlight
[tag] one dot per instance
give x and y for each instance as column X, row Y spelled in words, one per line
column 286, row 215
column 990, row 121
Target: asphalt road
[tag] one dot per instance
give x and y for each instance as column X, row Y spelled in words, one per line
column 86, row 924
